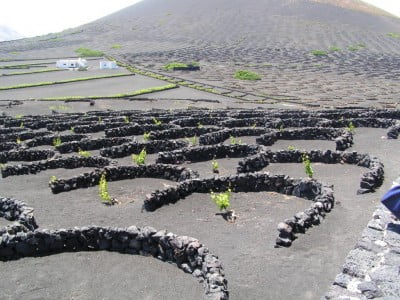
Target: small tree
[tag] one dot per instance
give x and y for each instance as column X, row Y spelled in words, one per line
column 140, row 159
column 192, row 140
column 57, row 141
column 157, row 122
column 103, row 190
column 215, row 166
column 351, row 128
column 84, row 153
column 52, row 179
column 307, row 165
column 235, row 141
column 222, row 200
column 146, row 136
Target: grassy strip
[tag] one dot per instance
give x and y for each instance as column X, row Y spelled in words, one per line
column 28, row 85
column 24, row 66
column 116, row 96
column 164, row 78
column 86, row 52
column 32, row 72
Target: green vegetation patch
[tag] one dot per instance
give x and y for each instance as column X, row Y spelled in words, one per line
column 319, row 53
column 28, row 85
column 24, row 66
column 334, row 49
column 116, row 96
column 86, row 52
column 116, row 46
column 32, row 72
column 394, row 35
column 357, row 47
column 247, row 75
column 181, row 66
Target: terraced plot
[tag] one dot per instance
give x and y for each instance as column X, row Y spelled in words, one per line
column 315, row 220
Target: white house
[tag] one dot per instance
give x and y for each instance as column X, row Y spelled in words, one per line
column 72, row 63
column 107, row 64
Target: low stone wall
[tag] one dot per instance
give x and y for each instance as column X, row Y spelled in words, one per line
column 187, row 253
column 49, row 139
column 25, row 155
column 72, row 162
column 61, row 126
column 204, row 153
column 322, row 196
column 24, row 135
column 220, row 136
column 342, row 137
column 6, row 146
column 97, row 127
column 135, row 147
column 11, row 130
column 371, row 269
column 204, row 120
column 136, row 129
column 91, row 144
column 168, row 172
column 394, row 131
column 370, row 180
column 177, row 133
column 15, row 210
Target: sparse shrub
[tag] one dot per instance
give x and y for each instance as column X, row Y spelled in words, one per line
column 254, row 125
column 215, row 166
column 3, row 166
column 57, row 141
column 84, row 153
column 281, row 128
column 146, row 136
column 22, row 125
column 192, row 140
column 52, row 179
column 319, row 53
column 18, row 141
column 222, row 200
column 18, row 117
column 247, row 75
column 100, row 120
column 157, row 122
column 86, row 52
column 140, row 159
column 72, row 129
column 307, row 165
column 103, row 190
column 126, row 120
column 116, row 46
column 291, row 148
column 235, row 141
column 199, row 125
column 350, row 128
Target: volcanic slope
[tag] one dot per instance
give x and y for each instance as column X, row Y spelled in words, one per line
column 326, row 53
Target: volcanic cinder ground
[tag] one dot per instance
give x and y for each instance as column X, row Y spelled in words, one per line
column 276, row 39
